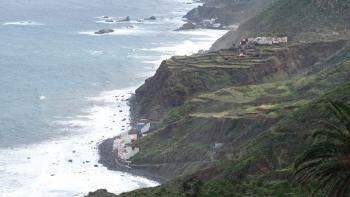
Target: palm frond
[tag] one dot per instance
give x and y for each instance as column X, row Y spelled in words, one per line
column 342, row 112
column 327, row 161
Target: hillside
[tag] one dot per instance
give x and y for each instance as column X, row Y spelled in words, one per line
column 301, row 20
column 224, row 125
column 242, row 122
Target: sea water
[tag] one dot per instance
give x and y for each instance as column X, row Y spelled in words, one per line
column 64, row 89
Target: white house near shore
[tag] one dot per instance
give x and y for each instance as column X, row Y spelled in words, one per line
column 127, row 152
column 123, row 145
column 146, row 127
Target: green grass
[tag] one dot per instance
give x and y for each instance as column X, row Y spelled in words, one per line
column 302, row 20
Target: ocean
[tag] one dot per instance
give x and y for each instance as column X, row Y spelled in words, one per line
column 64, row 88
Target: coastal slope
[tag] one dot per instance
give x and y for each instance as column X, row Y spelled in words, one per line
column 237, row 136
column 242, row 138
column 225, row 125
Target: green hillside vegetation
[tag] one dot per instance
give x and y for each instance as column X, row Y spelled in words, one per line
column 303, row 19
column 264, row 165
column 254, row 161
column 300, row 20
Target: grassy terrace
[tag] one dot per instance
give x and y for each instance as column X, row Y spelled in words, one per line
column 270, row 99
column 230, row 58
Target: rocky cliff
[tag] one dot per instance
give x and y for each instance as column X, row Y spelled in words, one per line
column 180, row 78
column 238, row 127
column 224, row 14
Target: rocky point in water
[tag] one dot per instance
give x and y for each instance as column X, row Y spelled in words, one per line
column 126, row 19
column 104, row 31
column 152, row 18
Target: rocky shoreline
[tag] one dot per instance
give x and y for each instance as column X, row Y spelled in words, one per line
column 222, row 14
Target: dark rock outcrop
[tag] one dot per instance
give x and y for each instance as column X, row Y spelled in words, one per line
column 101, row 193
column 126, row 19
column 104, row 31
column 151, row 18
column 222, row 14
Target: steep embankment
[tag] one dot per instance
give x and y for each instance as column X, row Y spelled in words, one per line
column 301, row 20
column 244, row 136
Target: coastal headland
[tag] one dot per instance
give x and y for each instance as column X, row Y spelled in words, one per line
column 230, row 121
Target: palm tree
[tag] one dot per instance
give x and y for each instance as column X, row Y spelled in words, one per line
column 327, row 162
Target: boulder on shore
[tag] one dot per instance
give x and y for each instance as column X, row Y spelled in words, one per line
column 152, row 18
column 104, row 31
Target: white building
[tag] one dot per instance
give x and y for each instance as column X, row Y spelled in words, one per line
column 146, row 128
column 122, row 145
column 127, row 152
column 124, row 140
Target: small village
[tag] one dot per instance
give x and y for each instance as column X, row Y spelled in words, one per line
column 124, row 144
column 250, row 43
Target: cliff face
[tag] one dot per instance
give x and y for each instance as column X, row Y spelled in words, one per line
column 179, row 78
column 220, row 99
column 240, row 134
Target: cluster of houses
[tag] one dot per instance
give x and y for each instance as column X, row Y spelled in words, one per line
column 124, row 144
column 268, row 40
column 252, row 42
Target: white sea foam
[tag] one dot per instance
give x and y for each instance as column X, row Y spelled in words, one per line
column 201, row 40
column 23, row 23
column 93, row 52
column 44, row 169
column 106, row 22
